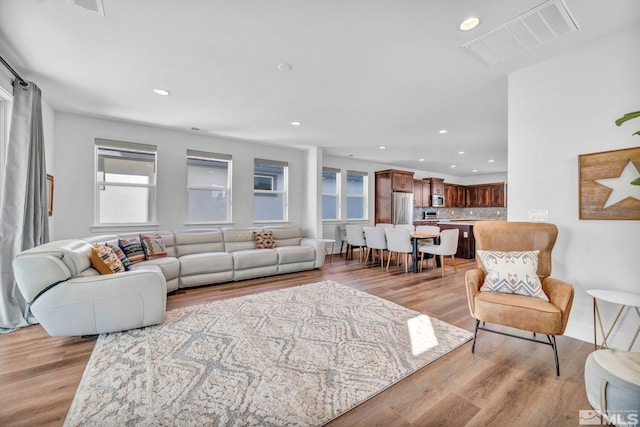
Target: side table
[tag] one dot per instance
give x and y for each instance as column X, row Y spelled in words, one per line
column 624, row 299
column 326, row 241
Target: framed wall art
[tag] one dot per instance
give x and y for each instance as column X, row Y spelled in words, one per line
column 606, row 188
column 50, row 193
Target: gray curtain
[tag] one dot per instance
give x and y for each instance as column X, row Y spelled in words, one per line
column 24, row 221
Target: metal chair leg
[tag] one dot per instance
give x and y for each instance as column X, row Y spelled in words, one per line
column 552, row 341
column 475, row 334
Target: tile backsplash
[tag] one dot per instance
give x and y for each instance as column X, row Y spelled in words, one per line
column 461, row 213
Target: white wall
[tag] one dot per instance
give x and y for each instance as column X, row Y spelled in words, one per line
column 559, row 109
column 74, row 154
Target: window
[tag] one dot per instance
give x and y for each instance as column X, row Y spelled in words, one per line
column 270, row 188
column 125, row 183
column 209, row 186
column 330, row 194
column 356, row 195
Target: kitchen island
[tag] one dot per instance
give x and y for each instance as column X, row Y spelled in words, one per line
column 466, row 242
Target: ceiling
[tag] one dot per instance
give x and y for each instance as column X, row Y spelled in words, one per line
column 364, row 73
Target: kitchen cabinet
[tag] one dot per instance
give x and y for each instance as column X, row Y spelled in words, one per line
column 454, row 196
column 387, row 182
column 471, row 197
column 497, row 195
column 421, row 193
column 437, row 186
column 466, row 242
column 483, row 198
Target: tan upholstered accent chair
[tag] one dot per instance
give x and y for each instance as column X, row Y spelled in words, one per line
column 519, row 311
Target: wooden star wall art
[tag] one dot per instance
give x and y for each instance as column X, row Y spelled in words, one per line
column 605, row 179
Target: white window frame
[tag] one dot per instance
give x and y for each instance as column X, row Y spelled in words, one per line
column 364, row 196
column 99, row 184
column 284, row 193
column 217, row 157
column 335, row 195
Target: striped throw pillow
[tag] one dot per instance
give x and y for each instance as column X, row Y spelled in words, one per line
column 123, row 258
column 105, row 260
column 132, row 249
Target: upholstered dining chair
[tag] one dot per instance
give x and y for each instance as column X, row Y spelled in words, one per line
column 376, row 241
column 511, row 286
column 448, row 247
column 355, row 238
column 399, row 242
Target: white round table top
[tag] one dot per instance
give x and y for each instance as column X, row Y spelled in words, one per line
column 617, row 297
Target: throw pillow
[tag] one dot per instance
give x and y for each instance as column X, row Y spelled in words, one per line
column 512, row 273
column 132, row 249
column 123, row 258
column 153, row 246
column 105, row 260
column 264, row 240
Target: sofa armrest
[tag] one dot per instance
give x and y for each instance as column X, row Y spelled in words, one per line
column 560, row 295
column 101, row 304
column 318, row 246
column 474, row 279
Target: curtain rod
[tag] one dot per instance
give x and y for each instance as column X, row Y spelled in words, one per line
column 14, row 72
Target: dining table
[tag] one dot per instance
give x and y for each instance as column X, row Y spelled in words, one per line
column 415, row 237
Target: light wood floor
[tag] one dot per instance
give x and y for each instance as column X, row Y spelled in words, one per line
column 506, row 382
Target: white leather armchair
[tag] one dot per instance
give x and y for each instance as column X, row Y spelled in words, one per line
column 70, row 298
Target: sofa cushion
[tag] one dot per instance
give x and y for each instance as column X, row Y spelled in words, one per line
column 294, row 254
column 512, row 273
column 286, row 236
column 212, row 262
column 153, row 246
column 105, row 260
column 170, row 266
column 239, row 239
column 198, row 241
column 132, row 249
column 253, row 258
column 264, row 240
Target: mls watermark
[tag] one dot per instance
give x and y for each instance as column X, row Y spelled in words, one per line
column 618, row 418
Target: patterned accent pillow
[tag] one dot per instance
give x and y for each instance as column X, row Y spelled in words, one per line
column 105, row 260
column 153, row 246
column 132, row 249
column 512, row 273
column 264, row 240
column 123, row 258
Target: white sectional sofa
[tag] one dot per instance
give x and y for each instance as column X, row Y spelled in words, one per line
column 69, row 297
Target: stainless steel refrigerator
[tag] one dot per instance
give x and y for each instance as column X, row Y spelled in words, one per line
column 402, row 208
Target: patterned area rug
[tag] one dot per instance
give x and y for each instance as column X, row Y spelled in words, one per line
column 300, row 356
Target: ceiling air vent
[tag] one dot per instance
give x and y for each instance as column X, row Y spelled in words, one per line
column 540, row 25
column 94, row 6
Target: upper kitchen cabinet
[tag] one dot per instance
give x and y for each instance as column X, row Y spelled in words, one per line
column 437, row 186
column 397, row 180
column 497, row 195
column 487, row 195
column 471, row 197
column 421, row 193
column 454, row 196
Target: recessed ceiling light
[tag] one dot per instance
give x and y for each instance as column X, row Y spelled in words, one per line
column 421, row 160
column 475, row 170
column 460, row 152
column 443, row 131
column 453, row 166
column 284, row 67
column 383, row 147
column 296, row 123
column 491, row 161
column 161, row 92
column 469, row 23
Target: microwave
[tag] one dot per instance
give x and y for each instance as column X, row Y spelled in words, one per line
column 437, row 201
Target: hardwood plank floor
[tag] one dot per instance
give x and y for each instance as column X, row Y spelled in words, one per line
column 506, row 382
